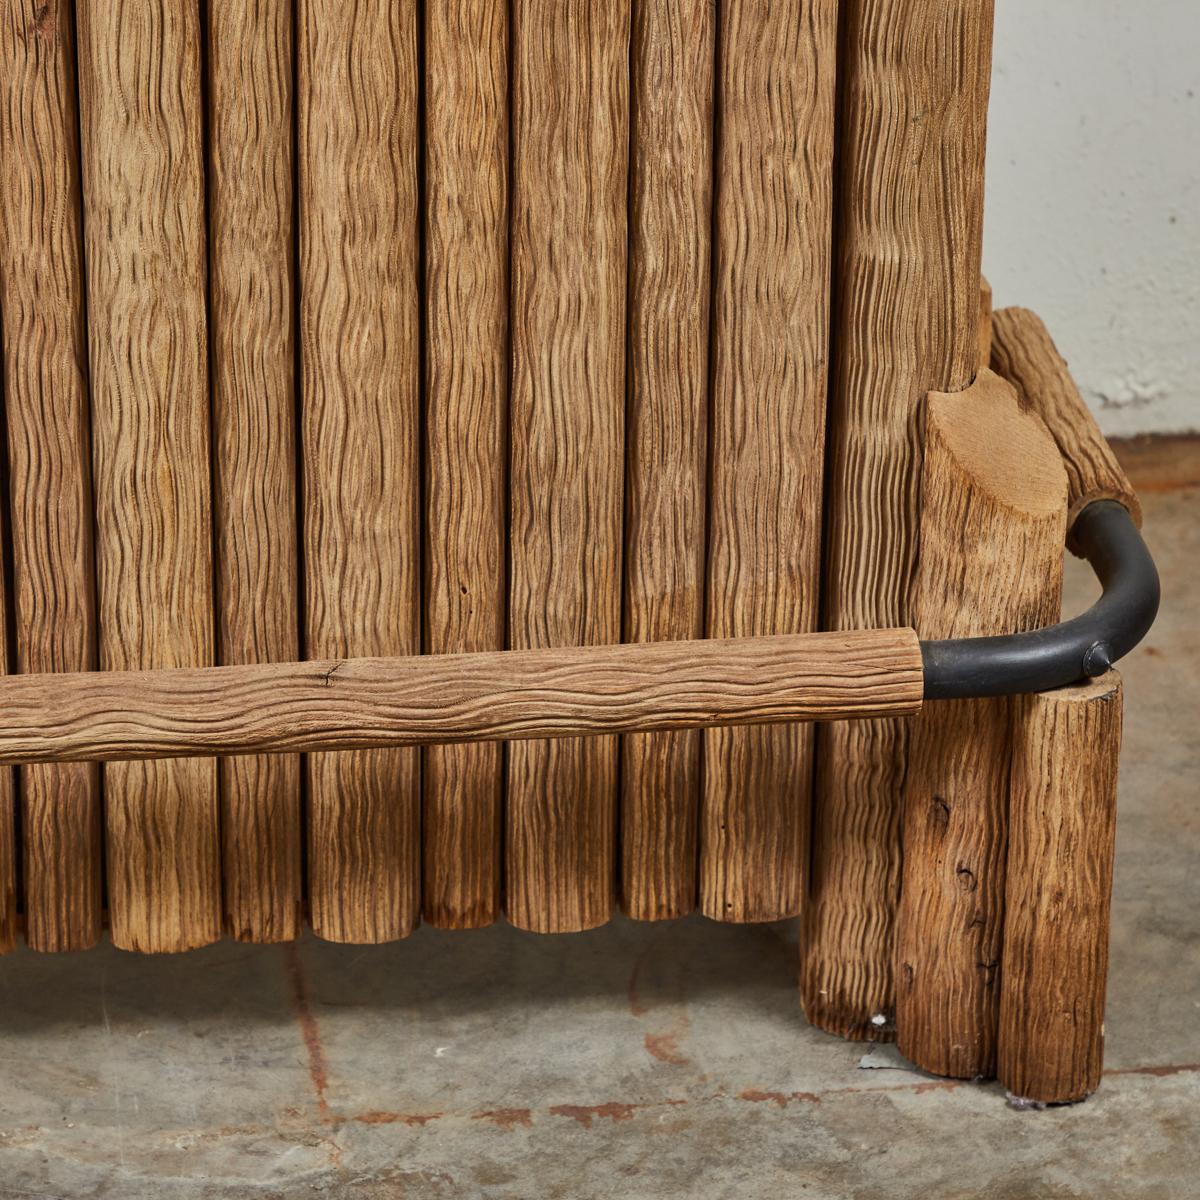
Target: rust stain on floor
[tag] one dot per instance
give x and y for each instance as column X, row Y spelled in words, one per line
column 318, row 1067
column 506, row 1118
column 375, row 1117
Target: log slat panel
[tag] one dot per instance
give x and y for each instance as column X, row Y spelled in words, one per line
column 466, row 528
column 775, row 81
column 144, row 241
column 570, row 165
column 253, row 375
column 669, row 291
column 49, row 446
column 359, row 331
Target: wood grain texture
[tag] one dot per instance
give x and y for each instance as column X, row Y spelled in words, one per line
column 1024, row 353
column 993, row 519
column 143, row 187
column 253, row 395
column 368, row 702
column 1063, row 813
column 49, row 446
column 357, row 148
column 770, row 328
column 570, row 158
column 985, row 322
column 914, row 78
column 466, row 499
column 670, row 235
column 8, row 833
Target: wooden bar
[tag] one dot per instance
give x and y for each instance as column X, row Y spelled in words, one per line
column 570, row 158
column 357, row 108
column 250, row 221
column 143, row 187
column 1024, row 353
column 466, row 531
column 914, row 78
column 580, row 691
column 1063, row 812
column 670, row 236
column 50, row 482
column 993, row 519
column 774, row 165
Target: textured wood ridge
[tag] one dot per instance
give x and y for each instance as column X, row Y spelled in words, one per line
column 1025, row 354
column 993, row 519
column 913, row 104
column 466, row 181
column 46, row 400
column 357, row 109
column 770, row 331
column 253, row 397
column 577, row 691
column 8, row 831
column 669, row 287
column 570, row 154
column 1063, row 811
column 143, row 176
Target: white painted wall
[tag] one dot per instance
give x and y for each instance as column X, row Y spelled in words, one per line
column 1093, row 196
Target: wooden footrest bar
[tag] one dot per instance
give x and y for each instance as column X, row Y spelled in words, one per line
column 500, row 696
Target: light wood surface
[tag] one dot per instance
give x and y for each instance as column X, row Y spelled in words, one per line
column 357, row 147
column 466, row 530
column 49, row 448
column 914, row 78
column 1063, row 811
column 775, row 77
column 669, row 290
column 993, row 518
column 143, row 187
column 1024, row 353
column 366, row 702
column 253, row 397
column 570, row 154
column 985, row 323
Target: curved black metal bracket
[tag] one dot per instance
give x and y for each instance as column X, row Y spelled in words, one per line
column 1081, row 648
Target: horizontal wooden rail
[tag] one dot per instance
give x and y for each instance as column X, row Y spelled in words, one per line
column 504, row 695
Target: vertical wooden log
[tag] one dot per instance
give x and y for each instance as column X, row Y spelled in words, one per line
column 1062, row 814
column 671, row 198
column 46, row 399
column 357, row 109
column 770, row 327
column 8, row 833
column 250, row 220
column 143, row 186
column 914, row 78
column 570, row 151
column 993, row 520
column 466, row 271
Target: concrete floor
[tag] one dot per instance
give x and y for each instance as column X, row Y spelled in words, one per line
column 635, row 1061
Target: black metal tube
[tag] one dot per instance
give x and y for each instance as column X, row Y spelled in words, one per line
column 1081, row 648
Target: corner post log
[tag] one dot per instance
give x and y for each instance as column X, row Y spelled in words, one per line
column 992, row 527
